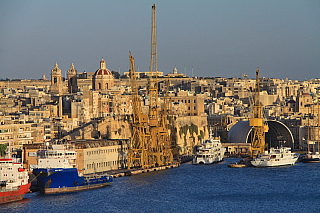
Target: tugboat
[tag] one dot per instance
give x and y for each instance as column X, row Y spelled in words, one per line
column 211, row 151
column 14, row 182
column 57, row 172
column 275, row 157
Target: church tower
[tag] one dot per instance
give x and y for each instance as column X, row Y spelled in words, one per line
column 72, row 80
column 56, row 80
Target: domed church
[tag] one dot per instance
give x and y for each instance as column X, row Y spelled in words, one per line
column 102, row 78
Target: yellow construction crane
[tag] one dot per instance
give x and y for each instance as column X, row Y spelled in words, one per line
column 257, row 122
column 150, row 144
column 160, row 138
column 138, row 154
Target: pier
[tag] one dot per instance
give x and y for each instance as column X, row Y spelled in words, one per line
column 127, row 172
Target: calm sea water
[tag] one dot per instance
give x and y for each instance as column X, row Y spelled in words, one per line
column 192, row 188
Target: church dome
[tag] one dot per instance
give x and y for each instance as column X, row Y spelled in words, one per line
column 103, row 72
column 103, row 69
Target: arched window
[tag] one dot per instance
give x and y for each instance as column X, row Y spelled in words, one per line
column 99, row 85
column 55, row 80
column 107, row 86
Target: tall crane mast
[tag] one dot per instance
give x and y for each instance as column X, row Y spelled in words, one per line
column 160, row 138
column 153, row 87
column 257, row 122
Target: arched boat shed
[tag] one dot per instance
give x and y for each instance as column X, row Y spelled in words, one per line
column 278, row 134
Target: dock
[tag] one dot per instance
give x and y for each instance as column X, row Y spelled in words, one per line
column 127, row 172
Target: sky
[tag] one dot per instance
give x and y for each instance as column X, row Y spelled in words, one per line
column 214, row 38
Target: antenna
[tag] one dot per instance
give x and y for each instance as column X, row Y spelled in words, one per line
column 192, row 71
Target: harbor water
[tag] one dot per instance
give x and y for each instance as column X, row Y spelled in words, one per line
column 192, row 188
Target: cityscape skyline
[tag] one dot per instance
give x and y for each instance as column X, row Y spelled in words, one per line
column 216, row 38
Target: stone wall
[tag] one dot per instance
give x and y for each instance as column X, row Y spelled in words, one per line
column 190, row 131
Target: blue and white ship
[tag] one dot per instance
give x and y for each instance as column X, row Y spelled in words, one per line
column 57, row 172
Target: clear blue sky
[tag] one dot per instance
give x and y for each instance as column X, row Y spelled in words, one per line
column 217, row 37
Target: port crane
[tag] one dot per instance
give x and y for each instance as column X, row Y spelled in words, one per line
column 260, row 127
column 150, row 144
column 138, row 154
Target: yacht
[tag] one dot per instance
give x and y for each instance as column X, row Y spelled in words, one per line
column 275, row 157
column 210, row 151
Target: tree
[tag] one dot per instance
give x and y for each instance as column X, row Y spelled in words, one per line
column 2, row 149
column 115, row 74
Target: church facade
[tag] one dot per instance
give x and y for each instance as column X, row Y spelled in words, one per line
column 101, row 80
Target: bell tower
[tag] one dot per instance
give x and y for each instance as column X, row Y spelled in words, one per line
column 72, row 80
column 56, row 80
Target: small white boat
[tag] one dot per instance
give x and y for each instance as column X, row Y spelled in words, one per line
column 275, row 157
column 210, row 151
column 311, row 157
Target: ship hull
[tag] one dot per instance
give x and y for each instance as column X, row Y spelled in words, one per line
column 14, row 195
column 206, row 161
column 310, row 160
column 61, row 180
column 273, row 163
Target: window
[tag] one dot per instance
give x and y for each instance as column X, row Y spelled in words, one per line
column 32, row 154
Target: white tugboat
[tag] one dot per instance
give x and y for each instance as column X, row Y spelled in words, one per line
column 210, row 151
column 276, row 157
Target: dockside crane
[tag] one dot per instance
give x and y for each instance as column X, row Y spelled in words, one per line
column 161, row 151
column 139, row 151
column 257, row 122
column 150, row 144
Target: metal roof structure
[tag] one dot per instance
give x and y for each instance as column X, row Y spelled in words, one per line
column 278, row 135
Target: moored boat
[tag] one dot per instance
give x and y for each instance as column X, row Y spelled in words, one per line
column 311, row 157
column 57, row 172
column 210, row 151
column 275, row 157
column 236, row 165
column 14, row 182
